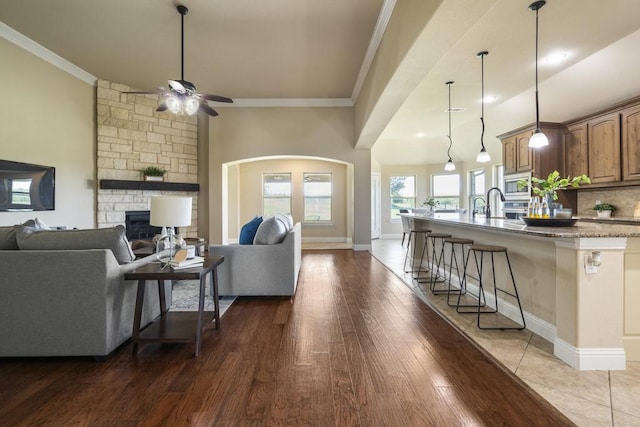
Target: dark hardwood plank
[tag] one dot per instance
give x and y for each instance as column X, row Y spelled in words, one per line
column 354, row 347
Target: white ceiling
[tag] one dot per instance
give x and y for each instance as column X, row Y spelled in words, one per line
column 306, row 49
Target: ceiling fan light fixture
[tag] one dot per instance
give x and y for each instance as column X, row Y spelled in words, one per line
column 538, row 139
column 174, row 104
column 483, row 155
column 191, row 105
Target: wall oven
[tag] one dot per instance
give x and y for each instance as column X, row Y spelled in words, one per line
column 511, row 191
column 517, row 200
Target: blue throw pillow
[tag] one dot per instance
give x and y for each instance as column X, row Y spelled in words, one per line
column 248, row 231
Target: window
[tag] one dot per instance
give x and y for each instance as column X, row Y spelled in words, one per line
column 476, row 188
column 445, row 189
column 317, row 196
column 276, row 196
column 21, row 192
column 403, row 194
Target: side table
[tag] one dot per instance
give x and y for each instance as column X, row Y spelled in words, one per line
column 175, row 326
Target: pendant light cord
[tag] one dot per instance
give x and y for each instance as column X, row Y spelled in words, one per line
column 449, row 136
column 481, row 55
column 537, row 103
column 182, row 46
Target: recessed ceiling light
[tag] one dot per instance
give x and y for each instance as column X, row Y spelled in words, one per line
column 455, row 109
column 490, row 98
column 420, row 135
column 556, row 58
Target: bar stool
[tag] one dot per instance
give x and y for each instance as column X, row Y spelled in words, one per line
column 435, row 260
column 413, row 234
column 453, row 260
column 479, row 252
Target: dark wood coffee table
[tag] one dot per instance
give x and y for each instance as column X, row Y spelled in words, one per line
column 175, row 326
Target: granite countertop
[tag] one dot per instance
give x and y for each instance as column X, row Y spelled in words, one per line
column 582, row 228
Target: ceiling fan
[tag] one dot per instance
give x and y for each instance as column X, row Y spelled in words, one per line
column 181, row 97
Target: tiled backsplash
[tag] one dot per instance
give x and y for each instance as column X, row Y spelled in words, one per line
column 623, row 198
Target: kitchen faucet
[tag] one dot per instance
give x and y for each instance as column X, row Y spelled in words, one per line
column 473, row 211
column 488, row 204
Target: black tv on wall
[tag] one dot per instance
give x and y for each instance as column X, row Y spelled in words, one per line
column 26, row 187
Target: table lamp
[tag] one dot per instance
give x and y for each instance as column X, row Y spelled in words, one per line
column 169, row 212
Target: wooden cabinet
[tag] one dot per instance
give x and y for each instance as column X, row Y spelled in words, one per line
column 603, row 136
column 509, row 159
column 576, row 151
column 516, row 154
column 631, row 143
column 518, row 157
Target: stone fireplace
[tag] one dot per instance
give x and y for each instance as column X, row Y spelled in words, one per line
column 131, row 136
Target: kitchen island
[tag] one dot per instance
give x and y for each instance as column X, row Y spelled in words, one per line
column 586, row 310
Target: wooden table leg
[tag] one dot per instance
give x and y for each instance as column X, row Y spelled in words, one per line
column 203, row 284
column 137, row 317
column 216, row 299
column 162, row 297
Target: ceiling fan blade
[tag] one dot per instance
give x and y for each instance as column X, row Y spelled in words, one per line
column 177, row 87
column 210, row 111
column 216, row 98
column 162, row 107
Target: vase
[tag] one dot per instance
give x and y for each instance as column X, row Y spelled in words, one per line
column 604, row 214
column 153, row 178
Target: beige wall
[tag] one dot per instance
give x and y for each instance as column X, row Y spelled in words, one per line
column 48, row 119
column 247, row 178
column 240, row 134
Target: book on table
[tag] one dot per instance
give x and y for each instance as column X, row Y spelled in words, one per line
column 197, row 261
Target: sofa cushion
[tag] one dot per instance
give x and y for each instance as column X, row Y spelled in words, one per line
column 8, row 235
column 272, row 231
column 249, row 230
column 114, row 238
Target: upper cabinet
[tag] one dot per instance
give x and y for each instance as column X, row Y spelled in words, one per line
column 631, row 143
column 518, row 157
column 603, row 136
column 576, row 151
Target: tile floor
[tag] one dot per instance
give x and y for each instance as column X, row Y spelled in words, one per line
column 588, row 398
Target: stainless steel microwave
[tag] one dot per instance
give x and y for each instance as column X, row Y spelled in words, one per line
column 511, row 191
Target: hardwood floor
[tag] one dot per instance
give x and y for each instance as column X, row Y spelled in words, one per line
column 354, row 347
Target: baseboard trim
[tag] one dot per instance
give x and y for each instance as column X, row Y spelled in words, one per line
column 590, row 359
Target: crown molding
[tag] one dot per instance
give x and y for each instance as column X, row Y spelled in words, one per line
column 288, row 102
column 42, row 52
column 374, row 43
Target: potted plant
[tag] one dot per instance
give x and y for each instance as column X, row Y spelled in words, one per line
column 604, row 209
column 547, row 188
column 430, row 204
column 153, row 173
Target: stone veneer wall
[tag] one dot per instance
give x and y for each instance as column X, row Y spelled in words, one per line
column 131, row 136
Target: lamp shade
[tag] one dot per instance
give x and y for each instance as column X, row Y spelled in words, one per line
column 538, row 139
column 170, row 211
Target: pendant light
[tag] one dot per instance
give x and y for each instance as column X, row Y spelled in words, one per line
column 483, row 155
column 538, row 139
column 449, row 166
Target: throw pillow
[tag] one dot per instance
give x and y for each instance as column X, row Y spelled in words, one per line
column 114, row 238
column 270, row 232
column 248, row 231
column 287, row 220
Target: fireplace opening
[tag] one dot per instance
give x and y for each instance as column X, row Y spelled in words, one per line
column 138, row 227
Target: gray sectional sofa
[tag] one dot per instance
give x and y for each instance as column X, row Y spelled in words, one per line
column 62, row 293
column 269, row 267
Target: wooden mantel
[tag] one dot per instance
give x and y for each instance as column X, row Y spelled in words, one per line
column 116, row 184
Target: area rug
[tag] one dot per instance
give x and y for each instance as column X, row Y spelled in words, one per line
column 185, row 297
